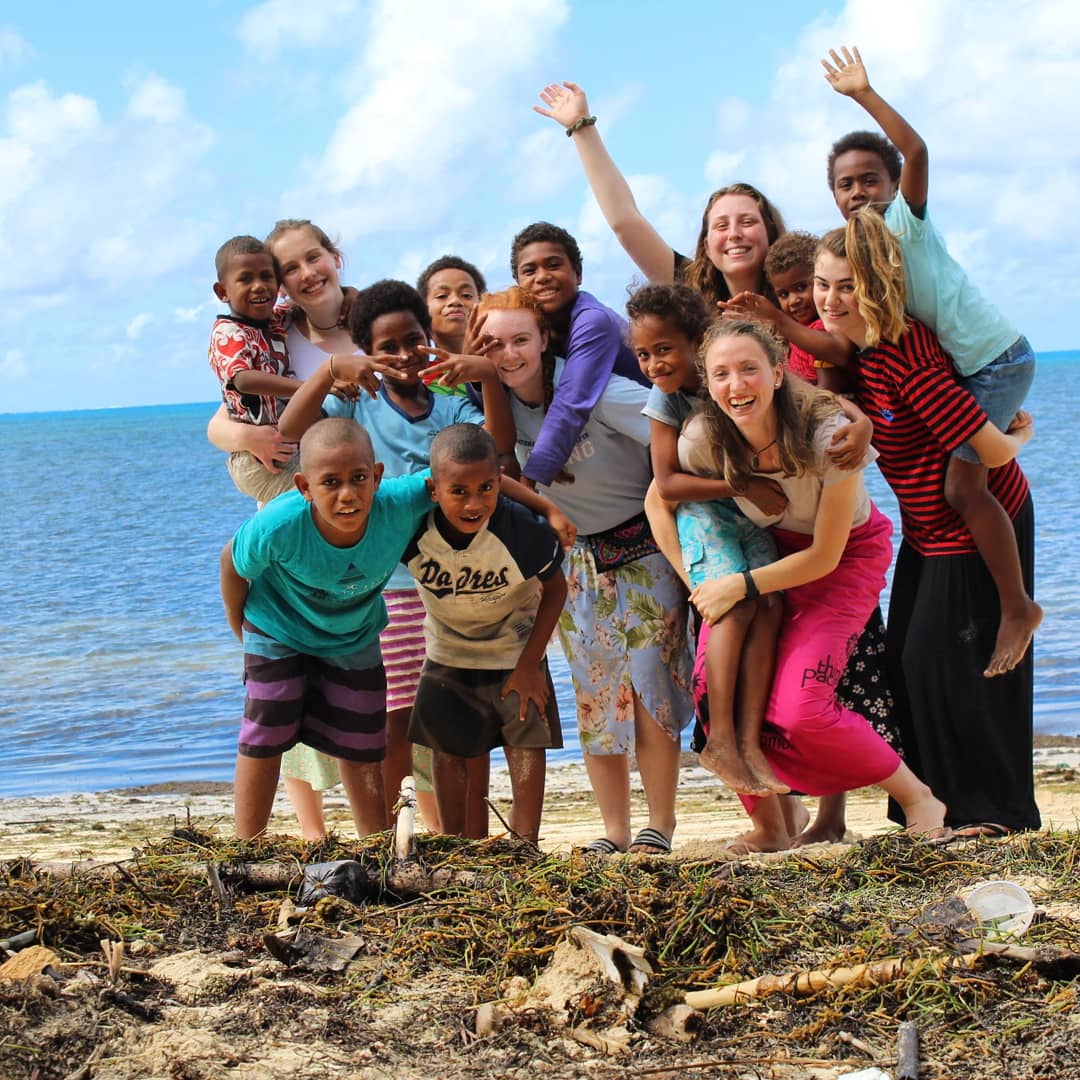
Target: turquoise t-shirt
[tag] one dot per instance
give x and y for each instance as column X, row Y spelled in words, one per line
column 403, row 442
column 941, row 295
column 320, row 599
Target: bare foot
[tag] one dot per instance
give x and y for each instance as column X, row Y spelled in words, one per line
column 760, row 769
column 796, row 816
column 757, row 840
column 725, row 762
column 1013, row 638
column 925, row 818
column 821, row 832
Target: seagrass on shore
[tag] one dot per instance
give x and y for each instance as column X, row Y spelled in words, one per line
column 404, row 1006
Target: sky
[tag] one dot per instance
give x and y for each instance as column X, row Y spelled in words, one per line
column 135, row 138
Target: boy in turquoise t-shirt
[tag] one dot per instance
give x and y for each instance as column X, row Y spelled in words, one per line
column 302, row 586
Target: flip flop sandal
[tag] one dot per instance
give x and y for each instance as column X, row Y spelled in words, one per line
column 650, row 842
column 602, row 846
column 982, row 830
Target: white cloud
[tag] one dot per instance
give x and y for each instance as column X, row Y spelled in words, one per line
column 13, row 366
column 193, row 314
column 722, row 166
column 433, row 97
column 138, row 325
column 13, row 49
column 93, row 199
column 152, row 98
column 273, row 24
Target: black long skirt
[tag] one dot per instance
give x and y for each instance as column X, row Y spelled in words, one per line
column 968, row 737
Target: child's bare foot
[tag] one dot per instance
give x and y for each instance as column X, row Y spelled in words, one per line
column 759, row 766
column 1013, row 638
column 756, row 840
column 829, row 826
column 925, row 818
column 725, row 762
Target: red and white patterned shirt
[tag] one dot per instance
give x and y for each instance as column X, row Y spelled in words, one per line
column 242, row 345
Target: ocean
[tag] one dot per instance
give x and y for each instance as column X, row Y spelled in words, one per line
column 120, row 670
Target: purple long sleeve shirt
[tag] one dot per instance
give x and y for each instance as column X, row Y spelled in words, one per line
column 596, row 347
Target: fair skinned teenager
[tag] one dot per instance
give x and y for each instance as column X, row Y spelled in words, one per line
column 490, row 575
column 822, row 359
column 390, row 319
column 834, row 551
column 994, row 360
column 249, row 355
column 302, row 587
column 968, row 736
column 737, row 225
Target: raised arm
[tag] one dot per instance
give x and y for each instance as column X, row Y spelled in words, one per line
column 847, row 75
column 567, row 105
column 820, row 344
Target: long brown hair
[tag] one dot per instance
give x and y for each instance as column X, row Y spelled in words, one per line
column 800, row 409
column 517, row 299
column 701, row 274
column 877, row 267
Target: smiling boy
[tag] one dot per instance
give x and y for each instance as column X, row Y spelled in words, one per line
column 302, row 585
column 490, row 575
column 249, row 356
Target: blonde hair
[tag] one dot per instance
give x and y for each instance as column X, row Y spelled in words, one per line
column 517, row 299
column 877, row 268
column 800, row 409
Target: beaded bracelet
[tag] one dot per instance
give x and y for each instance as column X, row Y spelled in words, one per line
column 579, row 123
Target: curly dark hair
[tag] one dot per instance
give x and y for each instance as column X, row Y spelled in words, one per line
column 870, row 141
column 543, row 232
column 238, row 245
column 791, row 250
column 450, row 262
column 676, row 304
column 380, row 299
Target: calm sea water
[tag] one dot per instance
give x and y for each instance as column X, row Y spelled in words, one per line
column 119, row 669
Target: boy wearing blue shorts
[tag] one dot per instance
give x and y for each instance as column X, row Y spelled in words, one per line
column 490, row 576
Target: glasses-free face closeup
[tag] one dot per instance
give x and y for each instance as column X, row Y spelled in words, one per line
column 249, row 286
column 834, row 296
column 467, row 493
column 517, row 350
column 736, row 239
column 340, row 483
column 451, row 295
column 308, row 271
column 794, row 290
column 741, row 380
column 399, row 334
column 667, row 357
column 545, row 270
column 860, row 177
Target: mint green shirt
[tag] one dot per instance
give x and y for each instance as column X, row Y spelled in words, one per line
column 941, row 295
column 312, row 596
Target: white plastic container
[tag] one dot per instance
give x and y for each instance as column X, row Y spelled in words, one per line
column 1002, row 907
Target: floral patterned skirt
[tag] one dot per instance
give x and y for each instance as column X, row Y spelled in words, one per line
column 625, row 631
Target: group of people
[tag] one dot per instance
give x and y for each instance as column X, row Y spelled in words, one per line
column 450, row 476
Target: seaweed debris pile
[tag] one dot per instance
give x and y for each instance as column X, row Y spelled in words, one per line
column 192, row 960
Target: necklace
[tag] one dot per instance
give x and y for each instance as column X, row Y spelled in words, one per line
column 332, row 326
column 755, row 461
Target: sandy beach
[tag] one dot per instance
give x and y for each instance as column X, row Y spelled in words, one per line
column 109, row 824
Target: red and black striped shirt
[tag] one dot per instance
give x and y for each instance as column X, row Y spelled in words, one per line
column 921, row 414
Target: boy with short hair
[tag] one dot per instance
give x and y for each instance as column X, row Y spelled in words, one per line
column 490, row 575
column 249, row 356
column 302, row 586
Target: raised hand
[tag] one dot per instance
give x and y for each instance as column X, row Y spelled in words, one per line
column 363, row 371
column 453, row 369
column 749, row 305
column 565, row 104
column 846, row 73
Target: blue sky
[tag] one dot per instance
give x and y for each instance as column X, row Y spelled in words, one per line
column 134, row 138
